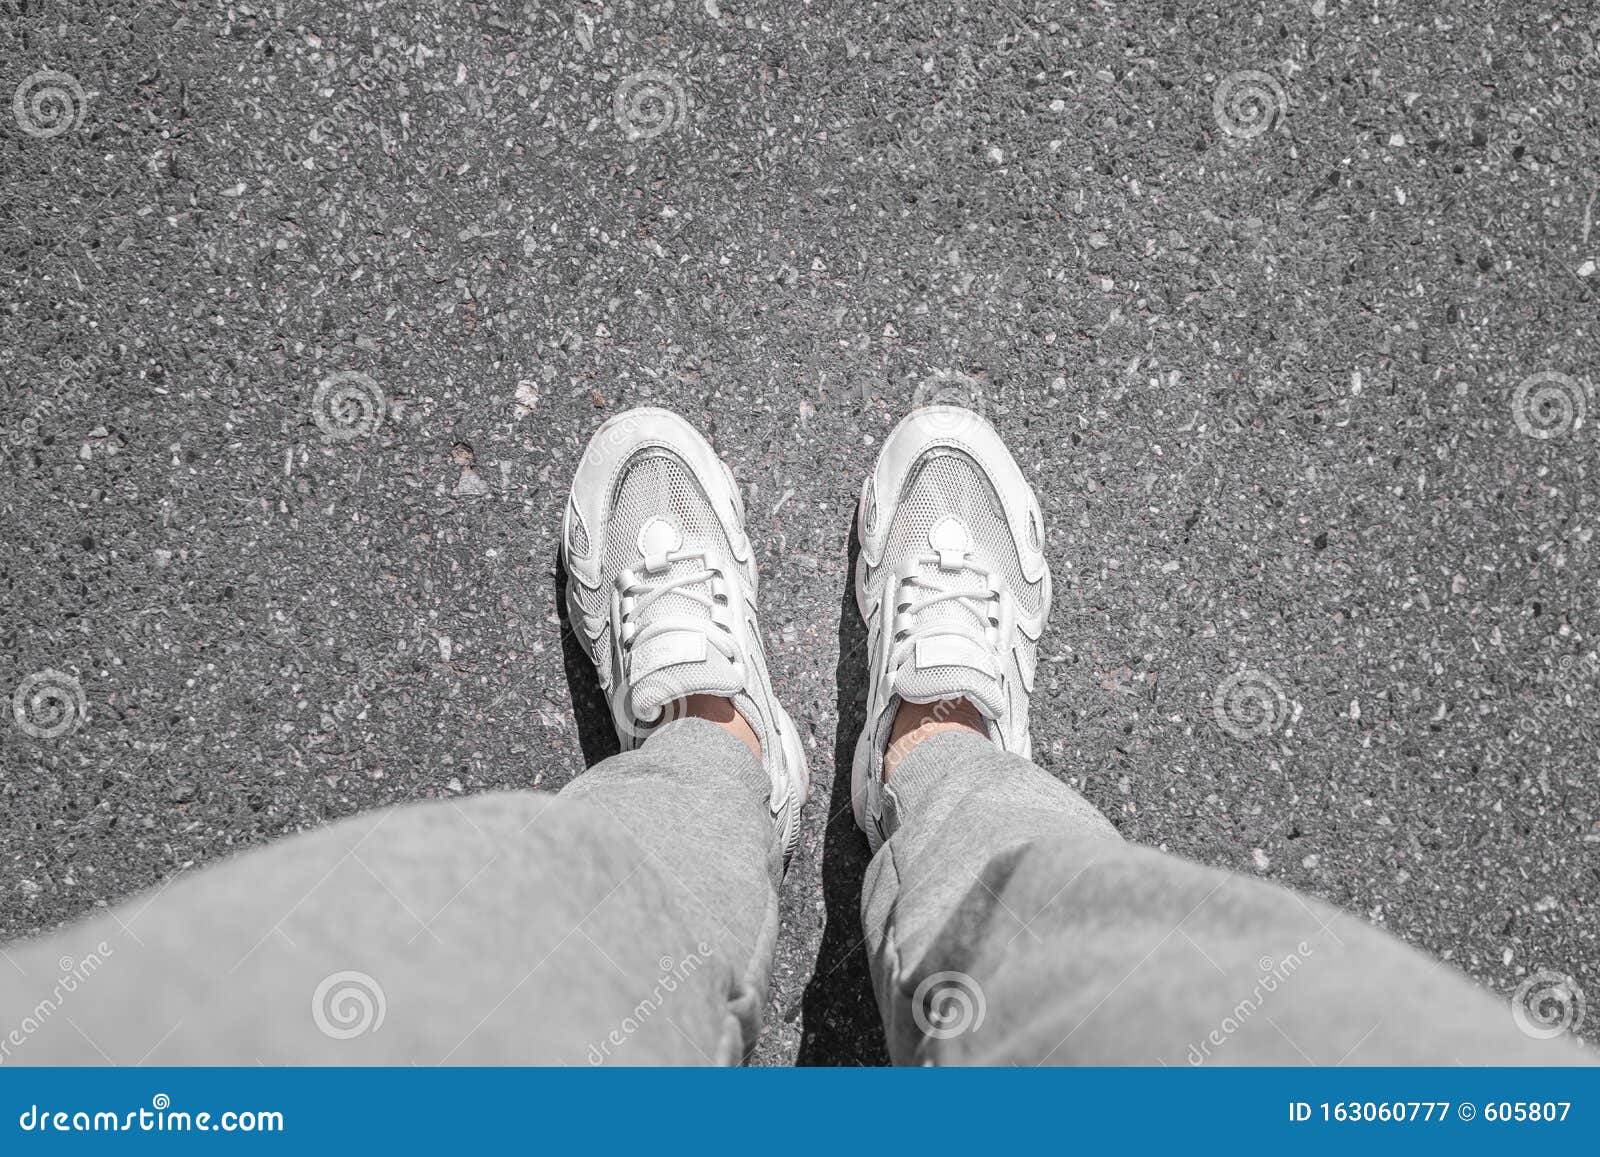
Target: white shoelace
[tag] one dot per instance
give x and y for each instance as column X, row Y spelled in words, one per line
column 646, row 593
column 983, row 604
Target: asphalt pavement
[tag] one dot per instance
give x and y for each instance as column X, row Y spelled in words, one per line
column 1288, row 312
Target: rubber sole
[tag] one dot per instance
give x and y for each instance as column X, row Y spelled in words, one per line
column 800, row 782
column 861, row 806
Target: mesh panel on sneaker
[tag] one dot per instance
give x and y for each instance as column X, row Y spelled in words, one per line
column 945, row 484
column 654, row 485
column 657, row 485
column 948, row 484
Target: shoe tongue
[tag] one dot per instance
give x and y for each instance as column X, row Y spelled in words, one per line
column 677, row 664
column 951, row 667
column 673, row 664
column 949, row 664
column 711, row 674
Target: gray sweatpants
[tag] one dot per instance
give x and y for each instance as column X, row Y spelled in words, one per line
column 631, row 919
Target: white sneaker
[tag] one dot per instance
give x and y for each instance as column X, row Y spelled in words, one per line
column 661, row 590
column 952, row 583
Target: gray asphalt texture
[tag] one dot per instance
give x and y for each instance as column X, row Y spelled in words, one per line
column 1265, row 386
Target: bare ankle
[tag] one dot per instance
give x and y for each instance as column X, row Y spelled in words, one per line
column 914, row 722
column 720, row 710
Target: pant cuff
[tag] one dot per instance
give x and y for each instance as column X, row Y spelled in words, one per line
column 935, row 766
column 703, row 745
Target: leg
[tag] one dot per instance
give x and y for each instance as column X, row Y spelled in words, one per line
column 630, row 919
column 1082, row 949
column 1007, row 922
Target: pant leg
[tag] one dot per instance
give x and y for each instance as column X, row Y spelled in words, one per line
column 630, row 919
column 1008, row 923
